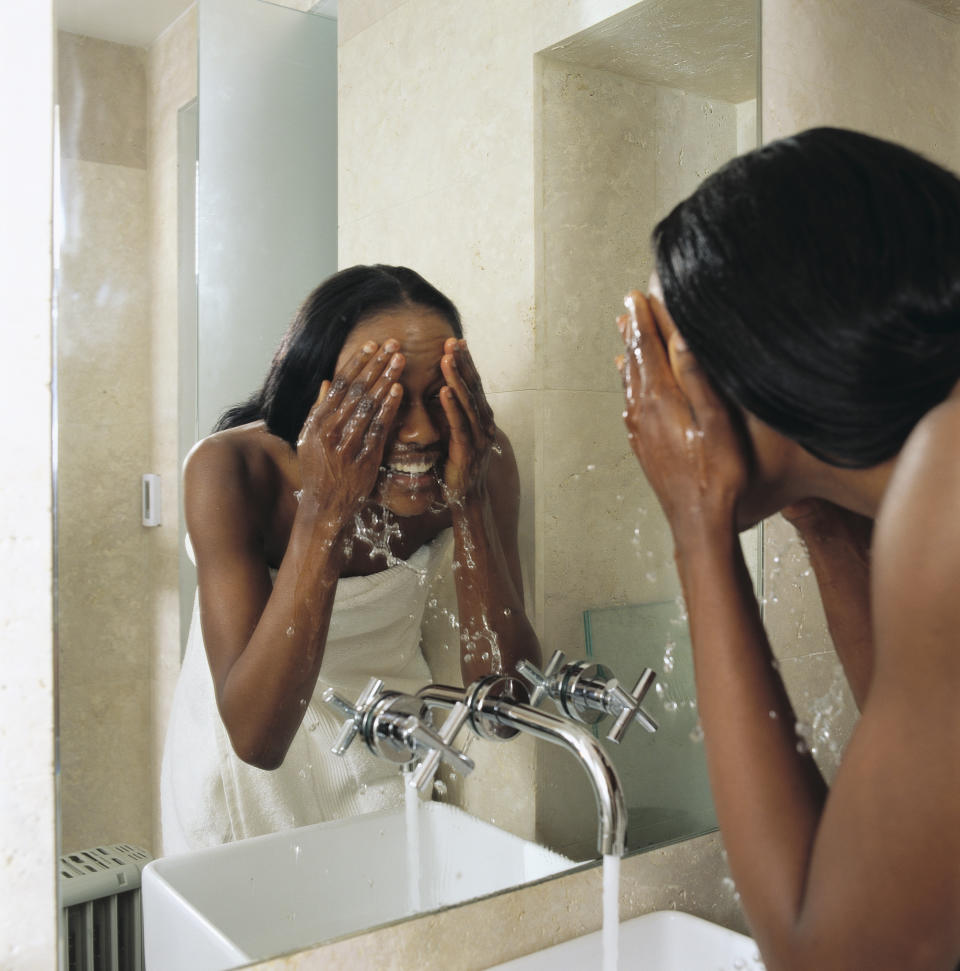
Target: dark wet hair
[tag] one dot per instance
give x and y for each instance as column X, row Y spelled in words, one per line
column 817, row 282
column 308, row 353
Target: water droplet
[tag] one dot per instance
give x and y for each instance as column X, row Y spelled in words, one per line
column 440, row 787
column 696, row 733
column 291, row 631
column 507, row 611
column 773, row 714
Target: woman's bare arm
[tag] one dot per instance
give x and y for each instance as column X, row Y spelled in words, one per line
column 265, row 642
column 482, row 485
column 838, row 545
column 867, row 876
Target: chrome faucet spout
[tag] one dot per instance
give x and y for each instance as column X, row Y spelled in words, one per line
column 513, row 716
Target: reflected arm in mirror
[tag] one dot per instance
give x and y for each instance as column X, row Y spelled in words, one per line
column 265, row 641
column 482, row 487
column 838, row 546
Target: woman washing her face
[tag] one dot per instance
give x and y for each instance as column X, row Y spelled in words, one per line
column 319, row 512
column 800, row 352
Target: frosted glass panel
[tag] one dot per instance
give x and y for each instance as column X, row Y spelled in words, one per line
column 267, row 198
column 664, row 775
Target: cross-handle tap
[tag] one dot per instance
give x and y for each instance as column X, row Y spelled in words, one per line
column 439, row 745
column 354, row 714
column 395, row 727
column 586, row 692
column 497, row 712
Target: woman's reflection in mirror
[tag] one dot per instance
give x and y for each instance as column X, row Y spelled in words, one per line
column 319, row 512
column 800, row 352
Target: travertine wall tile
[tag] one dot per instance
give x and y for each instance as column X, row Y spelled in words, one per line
column 106, row 795
column 171, row 69
column 104, row 346
column 101, row 101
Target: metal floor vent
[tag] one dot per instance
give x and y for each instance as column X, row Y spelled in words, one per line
column 101, row 927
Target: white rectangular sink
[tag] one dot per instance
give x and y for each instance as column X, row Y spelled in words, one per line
column 666, row 940
column 230, row 905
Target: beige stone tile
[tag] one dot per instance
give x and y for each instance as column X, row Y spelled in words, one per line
column 104, row 613
column 792, row 103
column 604, row 536
column 440, row 120
column 824, row 706
column 566, row 802
column 474, row 242
column 859, row 64
column 98, row 490
column 792, row 610
column 695, row 136
column 597, row 209
column 103, row 338
column 106, row 793
column 355, row 16
column 515, row 415
column 102, row 101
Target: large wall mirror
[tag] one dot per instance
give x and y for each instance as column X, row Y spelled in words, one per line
column 628, row 111
column 178, row 279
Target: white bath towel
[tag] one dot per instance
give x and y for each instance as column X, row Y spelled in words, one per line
column 209, row 796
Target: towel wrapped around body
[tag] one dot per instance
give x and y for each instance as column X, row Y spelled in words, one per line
column 209, row 796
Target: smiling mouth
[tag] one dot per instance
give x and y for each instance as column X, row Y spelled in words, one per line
column 413, row 466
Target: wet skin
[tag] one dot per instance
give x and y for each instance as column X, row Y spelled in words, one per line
column 405, row 398
column 867, row 873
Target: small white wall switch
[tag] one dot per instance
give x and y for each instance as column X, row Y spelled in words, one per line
column 150, row 500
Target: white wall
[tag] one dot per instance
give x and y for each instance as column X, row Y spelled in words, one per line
column 27, row 828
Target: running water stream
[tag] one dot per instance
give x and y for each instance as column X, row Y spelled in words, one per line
column 412, row 804
column 611, row 911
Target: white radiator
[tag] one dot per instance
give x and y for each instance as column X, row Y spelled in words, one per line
column 101, row 927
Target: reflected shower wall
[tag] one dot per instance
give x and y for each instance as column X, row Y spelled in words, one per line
column 616, row 153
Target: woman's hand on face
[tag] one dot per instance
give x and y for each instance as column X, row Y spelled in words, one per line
column 341, row 444
column 679, row 428
column 470, row 417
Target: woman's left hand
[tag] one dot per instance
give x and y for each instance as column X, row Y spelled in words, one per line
column 679, row 428
column 470, row 417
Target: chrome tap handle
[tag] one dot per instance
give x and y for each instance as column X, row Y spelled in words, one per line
column 545, row 684
column 354, row 714
column 439, row 746
column 629, row 706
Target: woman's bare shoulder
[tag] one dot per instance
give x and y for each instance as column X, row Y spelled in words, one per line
column 928, row 467
column 916, row 544
column 230, row 473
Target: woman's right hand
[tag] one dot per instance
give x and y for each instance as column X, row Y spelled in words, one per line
column 340, row 448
